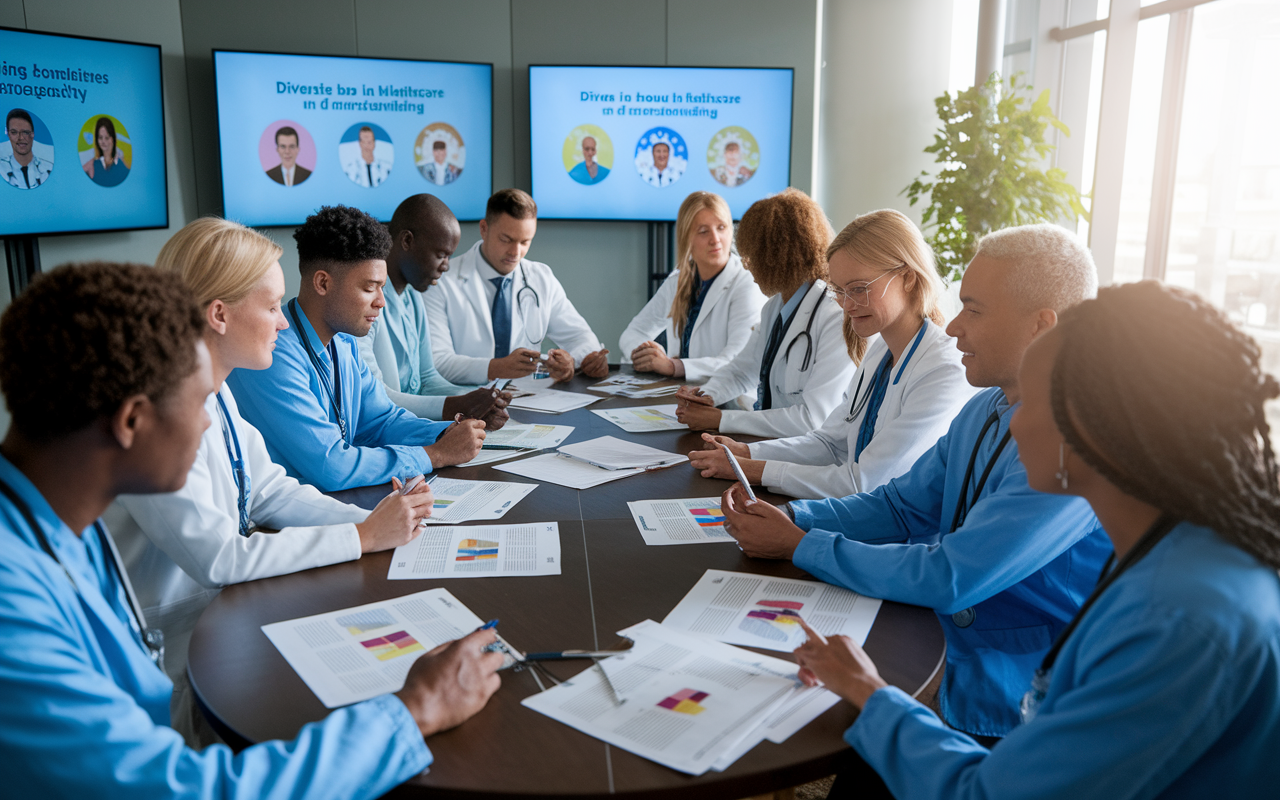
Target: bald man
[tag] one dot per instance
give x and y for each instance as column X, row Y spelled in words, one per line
column 397, row 349
column 589, row 171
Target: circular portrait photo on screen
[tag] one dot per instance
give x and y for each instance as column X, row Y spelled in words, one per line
column 440, row 154
column 733, row 156
column 26, row 154
column 366, row 154
column 661, row 157
column 287, row 152
column 105, row 150
column 588, row 154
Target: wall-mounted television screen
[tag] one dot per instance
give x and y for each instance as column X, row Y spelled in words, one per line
column 297, row 132
column 83, row 148
column 630, row 143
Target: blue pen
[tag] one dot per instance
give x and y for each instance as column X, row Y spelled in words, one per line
column 493, row 623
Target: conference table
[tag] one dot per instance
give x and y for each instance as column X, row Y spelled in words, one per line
column 610, row 579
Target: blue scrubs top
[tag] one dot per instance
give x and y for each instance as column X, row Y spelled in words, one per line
column 579, row 173
column 405, row 318
column 1168, row 688
column 288, row 403
column 1004, row 584
column 85, row 712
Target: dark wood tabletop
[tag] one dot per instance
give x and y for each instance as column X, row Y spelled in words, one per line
column 609, row 580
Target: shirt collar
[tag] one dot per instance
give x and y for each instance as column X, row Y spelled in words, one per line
column 486, row 270
column 308, row 331
column 59, row 535
column 789, row 307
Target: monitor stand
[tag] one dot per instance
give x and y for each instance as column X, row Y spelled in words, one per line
column 23, row 255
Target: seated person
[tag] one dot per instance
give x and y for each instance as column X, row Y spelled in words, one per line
column 397, row 349
column 325, row 419
column 106, row 375
column 796, row 364
column 908, row 387
column 1165, row 683
column 1004, row 567
column 491, row 311
column 707, row 306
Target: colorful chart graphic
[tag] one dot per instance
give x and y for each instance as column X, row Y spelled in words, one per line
column 476, row 550
column 441, row 503
column 365, row 621
column 392, row 645
column 707, row 517
column 774, row 619
column 685, row 701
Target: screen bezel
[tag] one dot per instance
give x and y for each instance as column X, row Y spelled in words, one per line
column 217, row 113
column 164, row 140
column 791, row 127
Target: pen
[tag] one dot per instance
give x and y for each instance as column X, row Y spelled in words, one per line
column 490, row 625
column 410, row 484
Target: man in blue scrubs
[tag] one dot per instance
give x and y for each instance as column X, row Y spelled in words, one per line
column 323, row 416
column 105, row 375
column 1004, row 566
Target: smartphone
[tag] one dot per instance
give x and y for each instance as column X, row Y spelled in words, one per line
column 737, row 470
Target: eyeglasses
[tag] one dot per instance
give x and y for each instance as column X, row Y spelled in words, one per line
column 19, row 134
column 859, row 293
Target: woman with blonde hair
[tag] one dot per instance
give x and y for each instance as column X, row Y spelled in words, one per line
column 908, row 387
column 209, row 527
column 706, row 307
column 798, row 359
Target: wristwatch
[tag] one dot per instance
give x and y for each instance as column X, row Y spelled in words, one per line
column 790, row 513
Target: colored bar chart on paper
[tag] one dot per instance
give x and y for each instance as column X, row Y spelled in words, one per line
column 365, row 621
column 479, row 551
column 463, row 501
column 683, row 521
column 778, row 620
column 685, row 701
column 393, row 645
column 476, row 550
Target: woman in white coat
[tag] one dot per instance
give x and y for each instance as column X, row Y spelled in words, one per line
column 905, row 393
column 207, row 529
column 707, row 306
column 799, row 359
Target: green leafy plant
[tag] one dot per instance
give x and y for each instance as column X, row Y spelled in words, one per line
column 990, row 151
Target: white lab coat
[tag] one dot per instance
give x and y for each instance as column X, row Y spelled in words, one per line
column 730, row 309
column 802, row 398
column 917, row 409
column 461, row 323
column 195, row 531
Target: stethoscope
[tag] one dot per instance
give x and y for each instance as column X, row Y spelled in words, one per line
column 152, row 639
column 238, row 471
column 805, row 334
column 860, row 402
column 527, row 291
column 332, row 388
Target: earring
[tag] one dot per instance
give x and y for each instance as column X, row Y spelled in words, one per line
column 1061, row 474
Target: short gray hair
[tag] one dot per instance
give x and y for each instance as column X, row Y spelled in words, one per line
column 1048, row 267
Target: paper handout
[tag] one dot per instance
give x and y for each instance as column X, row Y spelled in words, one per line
column 479, row 551
column 760, row 611
column 534, row 437
column 462, row 501
column 610, row 452
column 643, row 419
column 683, row 521
column 617, row 384
column 552, row 401
column 565, row 471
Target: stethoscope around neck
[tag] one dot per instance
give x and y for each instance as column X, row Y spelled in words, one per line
column 860, row 398
column 527, row 292
column 806, row 334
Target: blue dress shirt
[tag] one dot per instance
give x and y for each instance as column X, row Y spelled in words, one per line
column 1168, row 688
column 1004, row 584
column 290, row 406
column 695, row 310
column 86, row 713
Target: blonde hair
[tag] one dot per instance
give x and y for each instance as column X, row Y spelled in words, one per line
column 693, row 205
column 888, row 240
column 218, row 259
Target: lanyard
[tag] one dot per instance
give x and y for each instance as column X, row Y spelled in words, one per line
column 238, row 471
column 335, row 394
column 875, row 394
column 964, row 503
column 152, row 639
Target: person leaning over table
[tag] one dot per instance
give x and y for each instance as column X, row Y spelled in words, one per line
column 798, row 359
column 323, row 416
column 908, row 387
column 491, row 311
column 207, row 529
column 107, row 377
column 397, row 349
column 707, row 307
column 1167, row 682
column 960, row 532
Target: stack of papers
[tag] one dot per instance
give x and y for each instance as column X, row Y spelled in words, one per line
column 632, row 386
column 643, row 419
column 610, row 452
column 591, row 463
column 552, row 402
column 683, row 521
column 462, row 501
column 517, row 439
column 686, row 703
column 479, row 551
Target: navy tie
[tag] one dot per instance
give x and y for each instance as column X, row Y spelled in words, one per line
column 501, row 315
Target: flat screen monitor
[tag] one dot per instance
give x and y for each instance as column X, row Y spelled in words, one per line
column 297, row 132
column 83, row 148
column 630, row 143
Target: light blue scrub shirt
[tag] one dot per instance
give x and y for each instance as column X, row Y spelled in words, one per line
column 1168, row 688
column 85, row 712
column 290, row 406
column 1004, row 584
column 404, row 322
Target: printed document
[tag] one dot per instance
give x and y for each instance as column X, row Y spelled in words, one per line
column 565, row 471
column 610, row 452
column 643, row 419
column 462, row 501
column 533, row 437
column 552, row 402
column 479, row 551
column 682, row 521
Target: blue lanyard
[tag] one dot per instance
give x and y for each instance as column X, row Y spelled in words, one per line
column 875, row 395
column 241, row 475
column 335, row 395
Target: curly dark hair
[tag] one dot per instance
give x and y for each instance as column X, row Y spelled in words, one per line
column 85, row 337
column 783, row 239
column 1161, row 394
column 340, row 235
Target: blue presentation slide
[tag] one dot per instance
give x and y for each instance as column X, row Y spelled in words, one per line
column 83, row 148
column 299, row 132
column 632, row 142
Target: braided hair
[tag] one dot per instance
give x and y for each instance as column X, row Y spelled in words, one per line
column 1160, row 393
